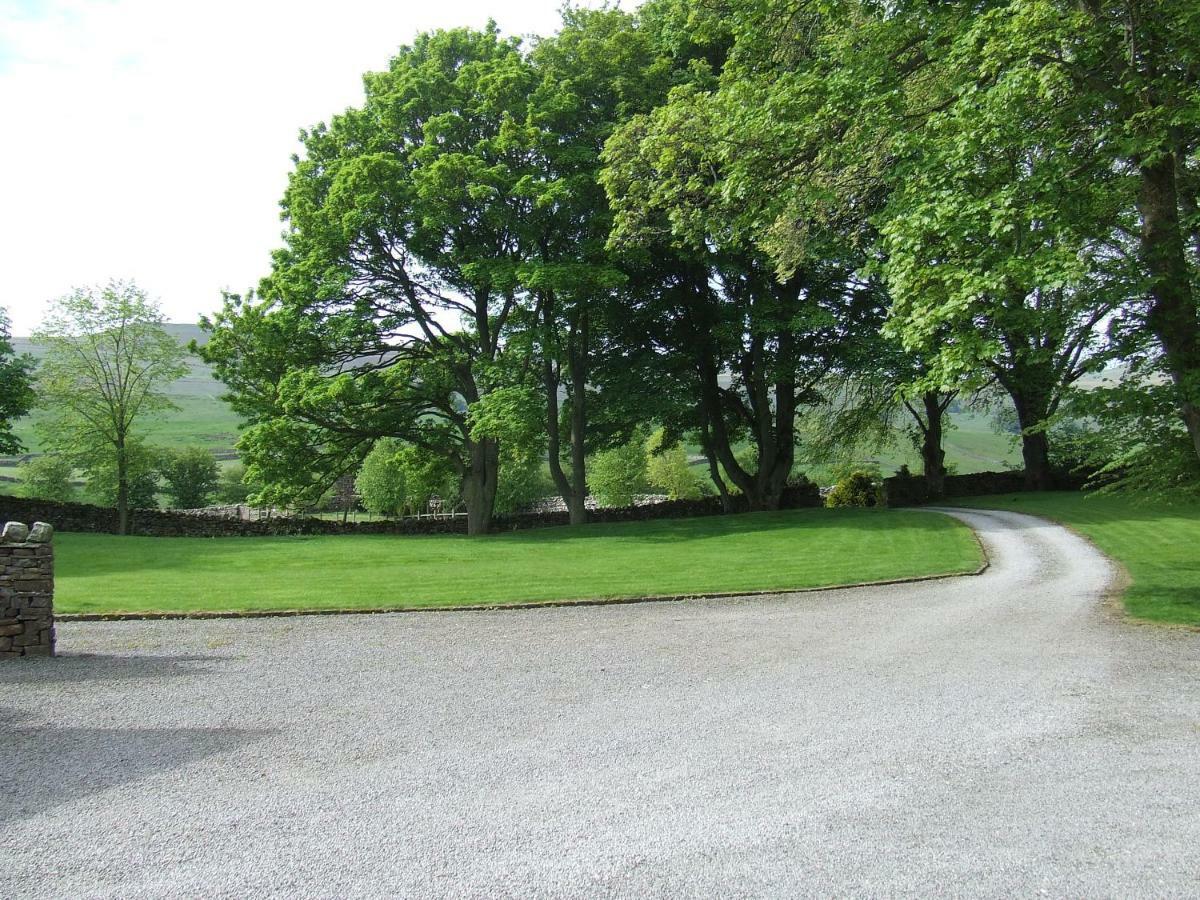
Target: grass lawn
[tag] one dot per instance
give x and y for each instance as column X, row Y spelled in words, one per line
column 1156, row 542
column 763, row 551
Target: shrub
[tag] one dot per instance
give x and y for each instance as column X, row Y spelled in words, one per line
column 48, row 477
column 232, row 487
column 380, row 482
column 398, row 478
column 142, row 464
column 191, row 477
column 857, row 488
column 618, row 475
column 524, row 479
column 667, row 469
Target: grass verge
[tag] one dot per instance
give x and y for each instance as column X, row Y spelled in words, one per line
column 756, row 552
column 1155, row 541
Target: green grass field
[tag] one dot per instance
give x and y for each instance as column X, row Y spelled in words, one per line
column 764, row 551
column 1156, row 542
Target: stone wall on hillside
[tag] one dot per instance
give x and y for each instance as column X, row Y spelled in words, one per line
column 166, row 523
column 26, row 590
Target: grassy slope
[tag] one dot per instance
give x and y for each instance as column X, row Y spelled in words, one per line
column 1156, row 542
column 202, row 419
column 803, row 548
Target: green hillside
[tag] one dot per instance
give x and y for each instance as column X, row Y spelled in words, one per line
column 201, row 419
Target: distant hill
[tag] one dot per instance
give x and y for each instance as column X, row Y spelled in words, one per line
column 203, row 418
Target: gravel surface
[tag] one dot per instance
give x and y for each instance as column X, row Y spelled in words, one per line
column 986, row 736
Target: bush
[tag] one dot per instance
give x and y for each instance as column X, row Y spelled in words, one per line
column 232, row 487
column 191, row 477
column 524, row 479
column 48, row 477
column 667, row 469
column 398, row 478
column 618, row 475
column 380, row 481
column 141, row 466
column 857, row 488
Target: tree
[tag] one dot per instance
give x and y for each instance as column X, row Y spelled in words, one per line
column 600, row 69
column 48, row 477
column 386, row 314
column 668, row 469
column 380, row 481
column 141, row 467
column 191, row 475
column 16, row 387
column 232, row 487
column 618, row 474
column 107, row 362
column 398, row 478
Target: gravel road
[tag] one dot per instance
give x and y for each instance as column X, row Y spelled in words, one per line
column 980, row 736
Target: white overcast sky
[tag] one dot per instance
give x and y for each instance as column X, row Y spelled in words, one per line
column 151, row 139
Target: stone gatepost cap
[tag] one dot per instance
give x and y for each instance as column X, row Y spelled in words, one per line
column 14, row 533
column 40, row 533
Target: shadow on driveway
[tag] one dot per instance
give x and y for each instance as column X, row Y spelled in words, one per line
column 45, row 765
column 77, row 667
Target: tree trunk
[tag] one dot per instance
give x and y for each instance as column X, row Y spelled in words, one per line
column 933, row 457
column 577, row 356
column 1035, row 445
column 479, row 485
column 573, row 487
column 1174, row 317
column 122, row 488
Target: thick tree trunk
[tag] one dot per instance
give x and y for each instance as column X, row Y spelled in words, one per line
column 122, row 488
column 1174, row 316
column 479, row 485
column 773, row 430
column 1035, row 445
column 933, row 457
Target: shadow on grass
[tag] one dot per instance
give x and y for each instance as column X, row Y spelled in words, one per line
column 46, row 765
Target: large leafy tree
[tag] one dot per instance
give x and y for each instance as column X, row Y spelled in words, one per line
column 387, row 312
column 107, row 363
column 1041, row 154
column 16, row 387
column 716, row 318
column 599, row 70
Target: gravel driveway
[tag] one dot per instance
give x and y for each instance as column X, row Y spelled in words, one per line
column 987, row 736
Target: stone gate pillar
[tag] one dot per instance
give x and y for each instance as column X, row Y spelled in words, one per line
column 26, row 590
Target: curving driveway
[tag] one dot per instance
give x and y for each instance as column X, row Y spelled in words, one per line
column 993, row 735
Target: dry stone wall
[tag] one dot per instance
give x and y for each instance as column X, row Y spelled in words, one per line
column 26, row 590
column 167, row 523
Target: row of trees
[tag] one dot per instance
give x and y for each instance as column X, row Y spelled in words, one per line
column 189, row 477
column 721, row 216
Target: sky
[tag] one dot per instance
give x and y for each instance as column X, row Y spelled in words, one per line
column 151, row 139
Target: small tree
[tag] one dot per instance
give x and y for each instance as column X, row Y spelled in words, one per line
column 16, row 387
column 47, row 477
column 191, row 475
column 232, row 487
column 107, row 362
column 380, row 482
column 667, row 469
column 142, row 464
column 618, row 475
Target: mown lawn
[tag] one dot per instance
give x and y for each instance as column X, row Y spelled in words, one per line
column 765, row 551
column 1158, row 543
